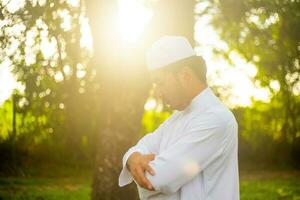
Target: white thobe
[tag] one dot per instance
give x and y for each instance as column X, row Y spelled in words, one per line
column 196, row 154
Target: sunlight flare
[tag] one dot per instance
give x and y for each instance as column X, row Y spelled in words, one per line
column 133, row 16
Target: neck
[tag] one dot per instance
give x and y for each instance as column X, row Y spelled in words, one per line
column 193, row 92
column 197, row 89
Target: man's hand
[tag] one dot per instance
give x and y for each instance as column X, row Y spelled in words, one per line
column 138, row 164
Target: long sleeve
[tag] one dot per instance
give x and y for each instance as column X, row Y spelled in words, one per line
column 203, row 143
column 150, row 143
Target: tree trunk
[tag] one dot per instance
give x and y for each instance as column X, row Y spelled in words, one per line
column 124, row 86
column 123, row 91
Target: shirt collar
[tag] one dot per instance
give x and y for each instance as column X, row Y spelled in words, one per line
column 200, row 100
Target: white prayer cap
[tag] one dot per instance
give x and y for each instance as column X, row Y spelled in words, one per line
column 168, row 50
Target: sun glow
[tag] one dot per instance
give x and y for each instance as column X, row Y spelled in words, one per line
column 133, row 16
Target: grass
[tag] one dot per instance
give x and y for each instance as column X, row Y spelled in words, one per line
column 284, row 185
column 270, row 185
column 44, row 188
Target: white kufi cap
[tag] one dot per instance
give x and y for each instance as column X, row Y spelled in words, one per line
column 168, row 50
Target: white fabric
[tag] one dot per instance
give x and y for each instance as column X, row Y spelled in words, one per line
column 196, row 154
column 168, row 50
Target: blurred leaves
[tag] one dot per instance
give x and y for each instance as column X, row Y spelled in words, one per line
column 41, row 43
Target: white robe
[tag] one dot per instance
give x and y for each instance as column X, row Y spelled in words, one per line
column 196, row 154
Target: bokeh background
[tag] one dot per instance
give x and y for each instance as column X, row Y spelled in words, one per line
column 75, row 93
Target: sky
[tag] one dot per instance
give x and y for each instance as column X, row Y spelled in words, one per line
column 133, row 17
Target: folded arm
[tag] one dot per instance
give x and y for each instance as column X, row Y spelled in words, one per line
column 149, row 144
column 195, row 150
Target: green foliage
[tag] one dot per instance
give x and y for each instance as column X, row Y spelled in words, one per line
column 42, row 42
column 152, row 119
column 5, row 120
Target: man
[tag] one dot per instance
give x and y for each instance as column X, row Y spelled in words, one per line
column 193, row 154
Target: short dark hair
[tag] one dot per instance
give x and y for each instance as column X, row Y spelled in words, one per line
column 196, row 63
